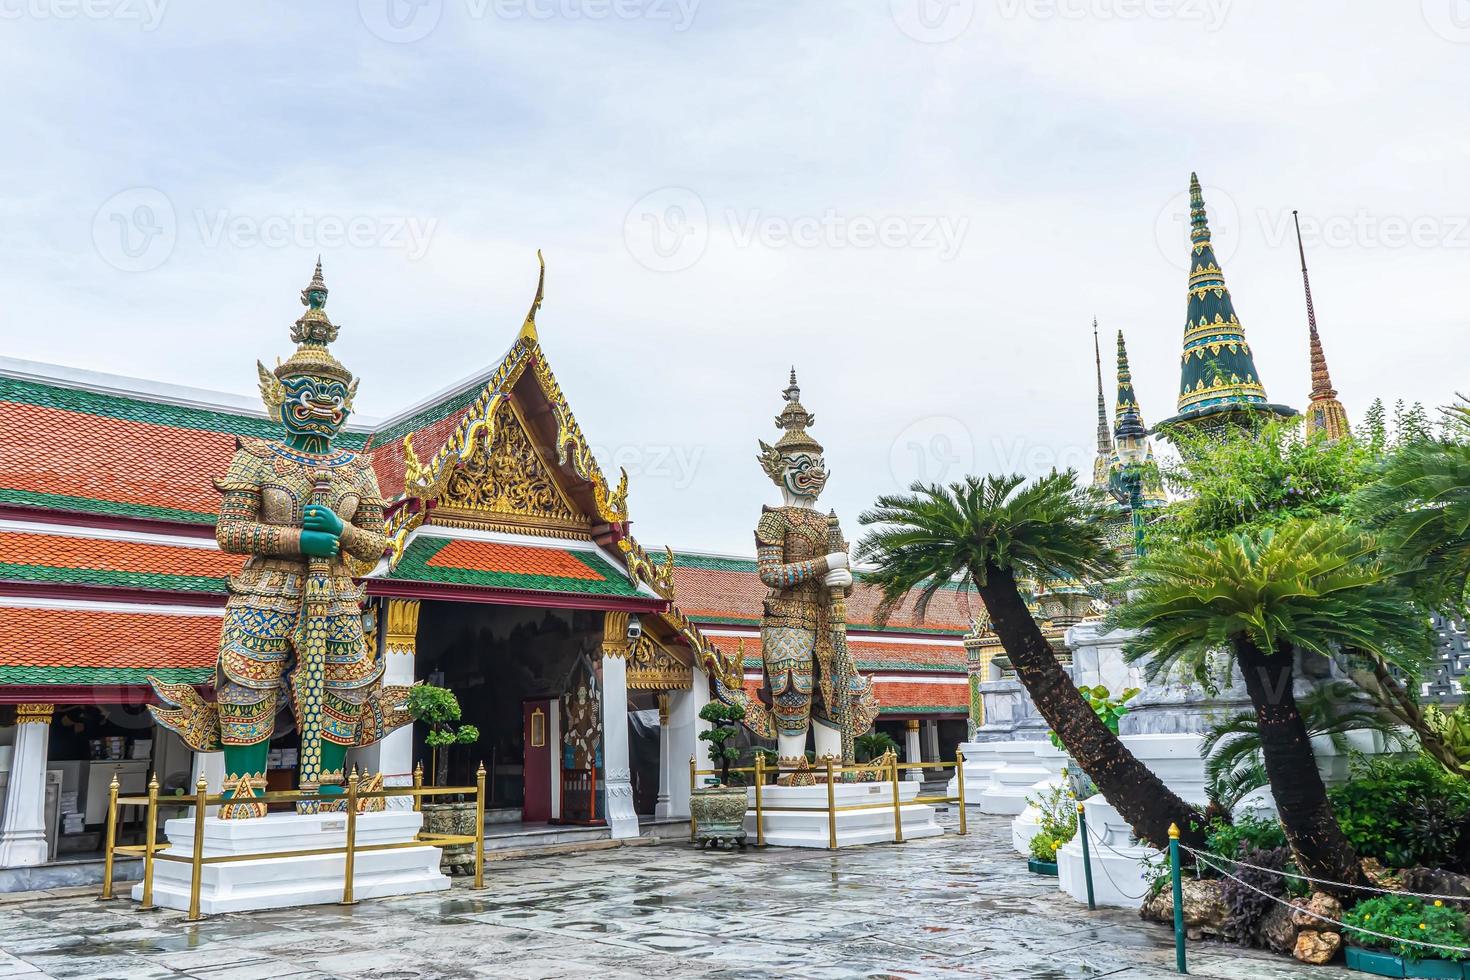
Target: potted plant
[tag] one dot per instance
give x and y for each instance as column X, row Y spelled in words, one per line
column 874, row 745
column 439, row 709
column 719, row 809
column 1412, row 921
column 1057, row 824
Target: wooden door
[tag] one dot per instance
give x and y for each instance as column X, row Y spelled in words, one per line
column 537, row 768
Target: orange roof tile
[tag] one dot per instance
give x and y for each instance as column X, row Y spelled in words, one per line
column 69, row 646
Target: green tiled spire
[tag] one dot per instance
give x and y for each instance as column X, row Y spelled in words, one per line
column 1218, row 375
column 1127, row 418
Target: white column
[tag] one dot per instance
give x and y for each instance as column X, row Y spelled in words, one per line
column 665, row 759
column 23, row 821
column 911, row 751
column 212, row 766
column 617, row 774
column 399, row 626
column 684, row 728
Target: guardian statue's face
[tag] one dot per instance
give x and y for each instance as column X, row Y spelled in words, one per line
column 315, row 406
column 803, row 474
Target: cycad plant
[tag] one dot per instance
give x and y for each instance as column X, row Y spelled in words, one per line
column 1261, row 594
column 989, row 534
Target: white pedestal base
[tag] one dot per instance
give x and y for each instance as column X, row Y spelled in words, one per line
column 285, row 882
column 810, row 829
column 980, row 765
column 1117, row 876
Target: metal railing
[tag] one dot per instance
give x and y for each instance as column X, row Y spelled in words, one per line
column 830, row 773
column 151, row 851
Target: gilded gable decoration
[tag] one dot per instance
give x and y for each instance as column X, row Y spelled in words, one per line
column 654, row 667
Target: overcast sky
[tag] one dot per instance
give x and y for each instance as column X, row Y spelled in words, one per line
column 919, row 203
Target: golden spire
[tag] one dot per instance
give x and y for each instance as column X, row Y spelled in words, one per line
column 1325, row 414
column 528, row 329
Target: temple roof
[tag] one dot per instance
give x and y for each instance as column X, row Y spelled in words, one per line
column 56, row 642
column 1218, row 372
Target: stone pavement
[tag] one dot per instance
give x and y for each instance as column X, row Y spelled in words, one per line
column 943, row 907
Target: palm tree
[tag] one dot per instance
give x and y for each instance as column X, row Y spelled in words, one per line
column 989, row 534
column 1421, row 500
column 1261, row 594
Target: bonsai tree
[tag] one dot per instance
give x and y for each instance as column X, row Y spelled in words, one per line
column 723, row 717
column 989, row 533
column 439, row 709
column 872, row 745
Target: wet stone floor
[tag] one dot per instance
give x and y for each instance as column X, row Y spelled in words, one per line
column 944, row 907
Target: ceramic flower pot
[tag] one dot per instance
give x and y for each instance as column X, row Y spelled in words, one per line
column 453, row 818
column 719, row 816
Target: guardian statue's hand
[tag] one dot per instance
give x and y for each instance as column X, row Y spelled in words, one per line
column 320, row 544
column 838, row 578
column 318, row 518
column 836, row 560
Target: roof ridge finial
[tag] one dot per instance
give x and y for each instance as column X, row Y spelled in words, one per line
column 793, row 392
column 528, row 329
column 1104, row 433
column 1321, row 379
column 1199, row 222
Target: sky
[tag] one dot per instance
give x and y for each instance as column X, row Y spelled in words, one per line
column 919, row 204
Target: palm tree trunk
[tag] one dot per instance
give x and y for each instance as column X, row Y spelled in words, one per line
column 1301, row 797
column 1139, row 796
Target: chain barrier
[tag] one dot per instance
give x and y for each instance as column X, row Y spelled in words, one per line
column 1092, row 835
column 1323, row 881
column 1205, row 857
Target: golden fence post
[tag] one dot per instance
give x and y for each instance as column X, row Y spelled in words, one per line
column 150, row 838
column 693, row 775
column 959, row 772
column 196, row 860
column 897, row 804
column 349, row 864
column 480, row 825
column 831, row 808
column 760, row 777
column 111, row 836
column 418, row 783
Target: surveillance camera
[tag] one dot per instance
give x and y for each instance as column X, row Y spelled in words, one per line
column 635, row 628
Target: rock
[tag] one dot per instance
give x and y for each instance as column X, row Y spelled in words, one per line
column 1276, row 931
column 1312, row 912
column 1432, row 881
column 1380, row 876
column 1316, row 947
column 1204, row 912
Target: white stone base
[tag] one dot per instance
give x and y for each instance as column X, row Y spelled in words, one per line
column 980, row 764
column 1117, row 875
column 285, row 882
column 810, row 829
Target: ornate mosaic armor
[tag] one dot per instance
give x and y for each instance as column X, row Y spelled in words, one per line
column 791, row 550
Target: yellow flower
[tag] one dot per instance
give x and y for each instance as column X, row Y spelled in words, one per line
column 1438, row 903
column 1423, row 926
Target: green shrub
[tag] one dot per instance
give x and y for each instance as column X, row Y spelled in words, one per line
column 1249, row 830
column 1409, row 919
column 1404, row 812
column 1057, row 817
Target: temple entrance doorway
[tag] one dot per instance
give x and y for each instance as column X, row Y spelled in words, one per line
column 505, row 664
